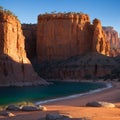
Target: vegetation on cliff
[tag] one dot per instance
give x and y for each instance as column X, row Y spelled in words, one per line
column 8, row 12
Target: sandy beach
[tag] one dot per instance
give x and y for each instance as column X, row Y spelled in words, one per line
column 77, row 109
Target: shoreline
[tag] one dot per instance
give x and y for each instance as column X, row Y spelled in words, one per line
column 106, row 94
column 76, row 107
column 108, row 86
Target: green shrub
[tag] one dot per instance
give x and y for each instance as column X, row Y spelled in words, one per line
column 8, row 12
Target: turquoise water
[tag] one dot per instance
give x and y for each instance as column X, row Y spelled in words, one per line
column 38, row 93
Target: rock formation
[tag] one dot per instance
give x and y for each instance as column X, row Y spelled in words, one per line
column 100, row 44
column 112, row 40
column 112, row 37
column 30, row 33
column 60, row 36
column 15, row 68
column 87, row 66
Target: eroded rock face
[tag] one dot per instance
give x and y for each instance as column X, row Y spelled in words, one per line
column 15, row 68
column 30, row 33
column 87, row 66
column 112, row 37
column 60, row 36
column 100, row 44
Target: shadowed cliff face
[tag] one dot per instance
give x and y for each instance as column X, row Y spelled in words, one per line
column 12, row 53
column 30, row 33
column 60, row 36
column 87, row 66
column 14, row 73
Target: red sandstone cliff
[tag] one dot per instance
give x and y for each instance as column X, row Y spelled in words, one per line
column 60, row 36
column 112, row 37
column 112, row 45
column 15, row 68
column 100, row 44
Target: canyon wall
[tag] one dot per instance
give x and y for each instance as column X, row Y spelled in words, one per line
column 113, row 38
column 30, row 33
column 100, row 43
column 60, row 36
column 91, row 66
column 15, row 68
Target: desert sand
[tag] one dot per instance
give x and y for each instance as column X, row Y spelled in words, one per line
column 77, row 109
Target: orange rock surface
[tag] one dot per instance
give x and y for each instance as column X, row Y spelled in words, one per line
column 60, row 36
column 100, row 44
column 15, row 68
column 113, row 38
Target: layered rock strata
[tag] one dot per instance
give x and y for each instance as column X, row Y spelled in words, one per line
column 113, row 38
column 15, row 68
column 88, row 66
column 60, row 36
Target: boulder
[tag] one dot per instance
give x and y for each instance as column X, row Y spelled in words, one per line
column 85, row 118
column 42, row 108
column 29, row 108
column 93, row 104
column 56, row 116
column 6, row 113
column 100, row 104
column 13, row 108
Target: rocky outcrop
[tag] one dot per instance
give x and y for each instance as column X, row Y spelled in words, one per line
column 57, row 116
column 112, row 37
column 100, row 104
column 13, row 108
column 15, row 68
column 60, row 36
column 100, row 44
column 87, row 66
column 30, row 33
column 33, row 107
column 115, row 52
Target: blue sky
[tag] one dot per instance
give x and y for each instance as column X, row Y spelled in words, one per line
column 108, row 11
